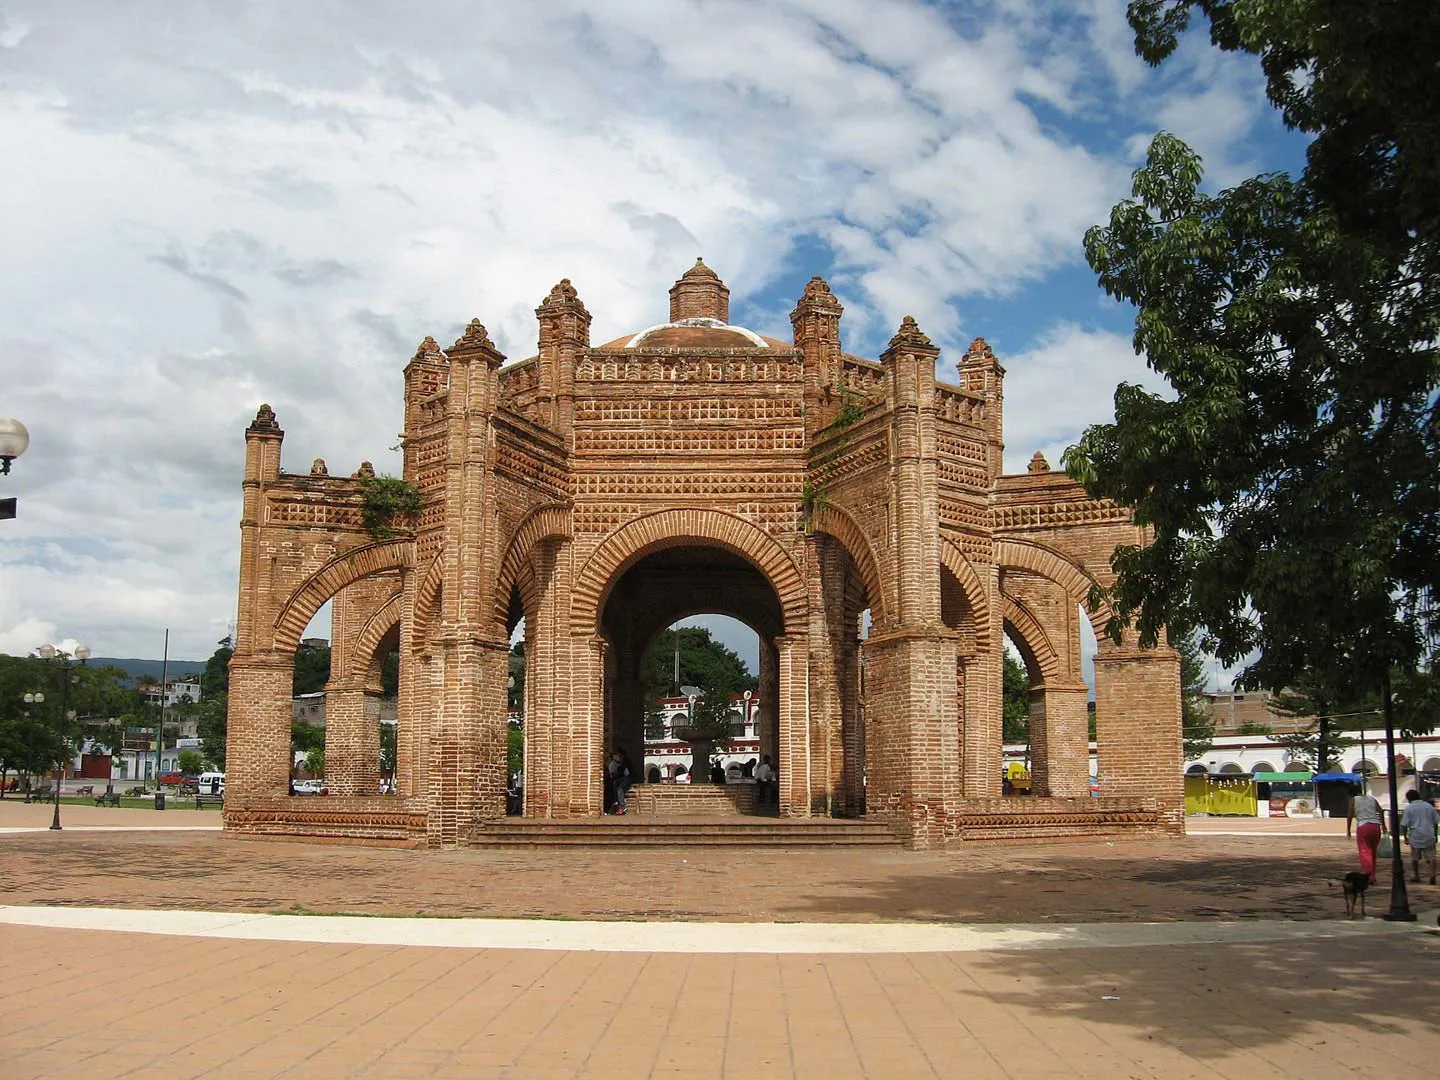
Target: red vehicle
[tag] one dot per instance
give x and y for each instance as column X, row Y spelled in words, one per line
column 172, row 778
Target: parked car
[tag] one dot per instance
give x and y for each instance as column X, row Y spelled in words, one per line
column 170, row 779
column 310, row 787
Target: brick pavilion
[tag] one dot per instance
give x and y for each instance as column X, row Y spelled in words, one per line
column 601, row 492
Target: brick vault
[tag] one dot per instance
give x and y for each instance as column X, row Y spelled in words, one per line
column 603, row 491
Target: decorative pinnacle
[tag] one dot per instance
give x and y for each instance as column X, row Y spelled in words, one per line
column 979, row 349
column 366, row 469
column 910, row 334
column 1038, row 464
column 264, row 420
column 562, row 291
column 474, row 337
column 700, row 270
column 429, row 349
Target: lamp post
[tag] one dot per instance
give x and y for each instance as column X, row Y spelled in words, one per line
column 37, row 699
column 1399, row 896
column 13, row 441
column 50, row 653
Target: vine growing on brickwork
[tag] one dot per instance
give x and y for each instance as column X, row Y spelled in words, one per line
column 388, row 505
column 852, row 407
column 812, row 500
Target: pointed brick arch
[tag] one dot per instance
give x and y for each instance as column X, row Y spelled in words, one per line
column 954, row 560
column 385, row 619
column 427, row 599
column 549, row 522
column 840, row 526
column 1051, row 564
column 1033, row 639
column 340, row 571
column 672, row 528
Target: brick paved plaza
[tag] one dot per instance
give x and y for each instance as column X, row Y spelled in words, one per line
column 1252, row 973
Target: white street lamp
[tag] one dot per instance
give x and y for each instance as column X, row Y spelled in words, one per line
column 13, row 441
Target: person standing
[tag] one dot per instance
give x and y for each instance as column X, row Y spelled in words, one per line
column 765, row 780
column 1368, row 821
column 1420, row 823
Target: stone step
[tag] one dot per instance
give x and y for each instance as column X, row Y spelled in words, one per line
column 629, row 831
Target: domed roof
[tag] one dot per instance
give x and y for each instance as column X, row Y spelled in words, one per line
column 699, row 319
column 695, row 334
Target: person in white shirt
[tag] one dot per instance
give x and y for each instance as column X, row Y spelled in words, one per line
column 1419, row 825
column 765, row 781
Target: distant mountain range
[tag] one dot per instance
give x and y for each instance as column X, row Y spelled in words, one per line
column 149, row 669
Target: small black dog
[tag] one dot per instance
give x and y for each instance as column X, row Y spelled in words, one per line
column 1354, row 885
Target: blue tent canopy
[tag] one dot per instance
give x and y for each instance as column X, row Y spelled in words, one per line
column 1343, row 777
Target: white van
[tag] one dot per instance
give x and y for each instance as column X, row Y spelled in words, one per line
column 211, row 783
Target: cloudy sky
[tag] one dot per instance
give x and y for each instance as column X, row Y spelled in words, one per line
column 210, row 205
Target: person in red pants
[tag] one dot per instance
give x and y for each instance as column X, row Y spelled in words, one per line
column 1367, row 821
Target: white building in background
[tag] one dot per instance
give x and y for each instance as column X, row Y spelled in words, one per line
column 668, row 758
column 1234, row 754
column 183, row 690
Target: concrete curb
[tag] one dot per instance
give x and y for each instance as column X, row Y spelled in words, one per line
column 686, row 937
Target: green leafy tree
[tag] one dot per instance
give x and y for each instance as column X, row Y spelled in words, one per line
column 514, row 748
column 1197, row 726
column 212, row 713
column 704, row 662
column 315, row 761
column 312, row 669
column 1290, row 480
column 516, row 691
column 1016, row 718
column 387, row 749
column 1330, row 707
column 191, row 762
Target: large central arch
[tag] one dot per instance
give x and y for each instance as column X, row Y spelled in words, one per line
column 677, row 528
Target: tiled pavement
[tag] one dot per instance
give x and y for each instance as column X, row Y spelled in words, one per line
column 1306, row 1002
column 143, row 1007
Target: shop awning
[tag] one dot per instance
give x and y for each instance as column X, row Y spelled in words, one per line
column 1283, row 777
column 1343, row 777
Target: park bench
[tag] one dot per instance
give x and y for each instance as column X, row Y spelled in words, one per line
column 39, row 795
column 208, row 800
column 111, row 797
column 88, row 789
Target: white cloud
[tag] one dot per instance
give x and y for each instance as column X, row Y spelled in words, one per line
column 211, row 206
column 1063, row 384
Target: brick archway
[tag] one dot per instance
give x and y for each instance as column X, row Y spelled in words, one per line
column 549, row 522
column 1049, row 563
column 1034, row 640
column 340, row 571
column 670, row 528
column 362, row 654
column 954, row 560
column 840, row 526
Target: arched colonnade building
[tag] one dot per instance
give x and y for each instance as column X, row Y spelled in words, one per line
column 603, row 491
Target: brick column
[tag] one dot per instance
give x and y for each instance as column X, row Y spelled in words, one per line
column 1137, row 725
column 1060, row 740
column 794, row 751
column 467, row 741
column 911, row 735
column 257, row 744
column 352, row 740
column 985, row 700
column 826, row 587
column 767, row 717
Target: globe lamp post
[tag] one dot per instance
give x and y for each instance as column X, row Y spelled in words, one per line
column 13, row 441
column 50, row 653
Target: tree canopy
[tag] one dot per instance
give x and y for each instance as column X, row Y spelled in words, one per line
column 1290, row 481
column 704, row 662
